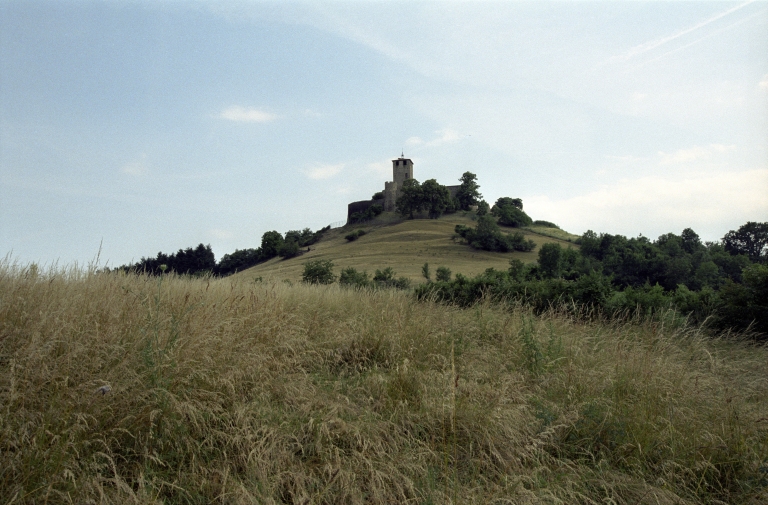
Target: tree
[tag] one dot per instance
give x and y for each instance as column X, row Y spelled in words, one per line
column 435, row 198
column 691, row 241
column 510, row 212
column 468, row 193
column 410, row 199
column 318, row 272
column 750, row 239
column 270, row 244
column 483, row 208
column 549, row 260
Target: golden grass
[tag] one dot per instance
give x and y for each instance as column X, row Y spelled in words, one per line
column 404, row 245
column 239, row 392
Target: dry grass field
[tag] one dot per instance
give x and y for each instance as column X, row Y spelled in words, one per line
column 404, row 245
column 131, row 389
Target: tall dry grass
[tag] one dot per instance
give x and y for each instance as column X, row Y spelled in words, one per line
column 130, row 389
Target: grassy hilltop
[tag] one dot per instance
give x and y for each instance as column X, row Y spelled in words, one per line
column 120, row 388
column 405, row 246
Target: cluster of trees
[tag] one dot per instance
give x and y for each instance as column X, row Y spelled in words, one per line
column 201, row 260
column 723, row 283
column 185, row 261
column 435, row 198
column 488, row 236
column 321, row 272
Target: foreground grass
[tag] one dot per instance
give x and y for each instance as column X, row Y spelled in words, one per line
column 125, row 389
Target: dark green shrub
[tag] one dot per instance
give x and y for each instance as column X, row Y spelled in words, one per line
column 352, row 278
column 318, row 272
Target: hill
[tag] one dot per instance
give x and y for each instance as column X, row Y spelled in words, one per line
column 405, row 245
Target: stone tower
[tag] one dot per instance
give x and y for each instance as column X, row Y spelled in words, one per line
column 402, row 170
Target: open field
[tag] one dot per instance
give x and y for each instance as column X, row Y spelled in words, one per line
column 405, row 246
column 131, row 389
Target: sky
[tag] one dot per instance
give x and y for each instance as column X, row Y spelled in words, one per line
column 129, row 128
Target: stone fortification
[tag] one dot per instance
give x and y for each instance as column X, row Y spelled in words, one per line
column 402, row 170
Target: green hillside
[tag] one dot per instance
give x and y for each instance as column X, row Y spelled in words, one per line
column 405, row 245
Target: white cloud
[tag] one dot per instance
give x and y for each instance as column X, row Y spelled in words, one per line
column 246, row 115
column 414, row 141
column 221, row 234
column 696, row 153
column 656, row 205
column 136, row 168
column 764, row 82
column 381, row 168
column 323, row 171
column 446, row 135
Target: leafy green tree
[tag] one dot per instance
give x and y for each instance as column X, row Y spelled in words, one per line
column 378, row 196
column 435, row 198
column 410, row 200
column 238, row 261
column 289, row 249
column 750, row 239
column 271, row 242
column 443, row 274
column 691, row 241
column 468, row 193
column 550, row 260
column 516, row 270
column 318, row 272
column 483, row 208
column 510, row 212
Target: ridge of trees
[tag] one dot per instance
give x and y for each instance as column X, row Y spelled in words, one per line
column 721, row 284
column 201, row 260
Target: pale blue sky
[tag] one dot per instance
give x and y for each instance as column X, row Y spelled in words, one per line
column 155, row 126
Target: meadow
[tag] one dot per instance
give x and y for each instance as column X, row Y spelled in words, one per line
column 120, row 388
column 405, row 245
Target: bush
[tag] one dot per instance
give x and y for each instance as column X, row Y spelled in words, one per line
column 443, row 274
column 385, row 275
column 354, row 235
column 352, row 278
column 546, row 224
column 487, row 235
column 318, row 272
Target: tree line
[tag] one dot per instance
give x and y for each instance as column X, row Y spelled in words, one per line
column 723, row 284
column 201, row 260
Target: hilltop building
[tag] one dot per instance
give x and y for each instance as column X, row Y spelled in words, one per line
column 402, row 170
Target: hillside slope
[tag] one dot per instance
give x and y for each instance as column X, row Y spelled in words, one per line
column 406, row 246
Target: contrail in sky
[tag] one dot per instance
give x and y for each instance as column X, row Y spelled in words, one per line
column 736, row 23
column 648, row 46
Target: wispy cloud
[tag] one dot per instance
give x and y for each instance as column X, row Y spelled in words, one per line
column 696, row 153
column 656, row 205
column 246, row 115
column 322, row 171
column 445, row 136
column 653, row 44
column 136, row 168
column 221, row 234
column 414, row 141
column 764, row 82
column 381, row 168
